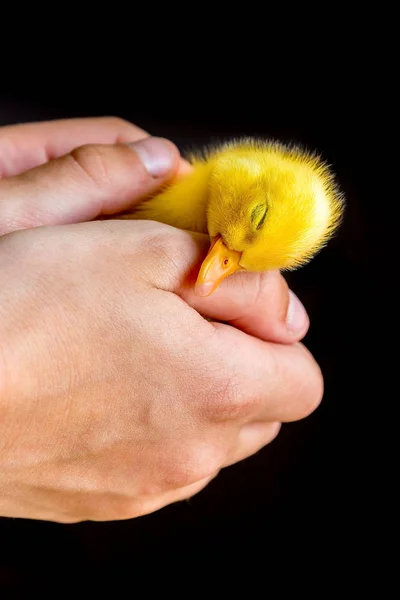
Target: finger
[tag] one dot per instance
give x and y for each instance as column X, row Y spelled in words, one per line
column 259, row 304
column 269, row 382
column 25, row 146
column 88, row 182
column 252, row 438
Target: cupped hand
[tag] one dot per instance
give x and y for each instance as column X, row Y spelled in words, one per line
column 117, row 397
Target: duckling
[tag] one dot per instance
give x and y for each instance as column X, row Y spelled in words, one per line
column 265, row 206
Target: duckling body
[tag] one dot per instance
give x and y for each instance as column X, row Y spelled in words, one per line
column 183, row 204
column 264, row 205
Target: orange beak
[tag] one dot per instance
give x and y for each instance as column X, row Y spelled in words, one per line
column 218, row 264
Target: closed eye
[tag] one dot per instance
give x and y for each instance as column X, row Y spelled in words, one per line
column 258, row 215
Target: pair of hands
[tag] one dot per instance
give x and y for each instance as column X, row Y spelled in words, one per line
column 120, row 390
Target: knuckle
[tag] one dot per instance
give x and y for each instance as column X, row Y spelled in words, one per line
column 162, row 241
column 193, row 465
column 160, row 247
column 164, row 249
column 171, row 241
column 169, row 252
column 227, row 402
column 92, row 163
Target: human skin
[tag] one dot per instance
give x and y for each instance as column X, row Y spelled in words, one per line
column 120, row 390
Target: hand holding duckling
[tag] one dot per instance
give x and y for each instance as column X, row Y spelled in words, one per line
column 264, row 205
column 117, row 398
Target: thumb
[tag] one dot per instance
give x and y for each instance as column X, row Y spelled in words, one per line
column 90, row 181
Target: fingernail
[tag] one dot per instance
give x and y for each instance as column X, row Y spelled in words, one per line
column 296, row 317
column 156, row 154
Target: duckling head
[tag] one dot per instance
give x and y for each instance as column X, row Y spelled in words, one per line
column 270, row 207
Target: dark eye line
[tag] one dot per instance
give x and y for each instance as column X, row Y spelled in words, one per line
column 261, row 223
column 256, row 212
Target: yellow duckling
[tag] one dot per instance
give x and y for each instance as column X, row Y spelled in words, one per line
column 264, row 205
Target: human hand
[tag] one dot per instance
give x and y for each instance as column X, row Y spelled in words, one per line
column 53, row 147
column 50, row 179
column 116, row 396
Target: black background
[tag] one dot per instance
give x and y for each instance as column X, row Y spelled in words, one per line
column 300, row 501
